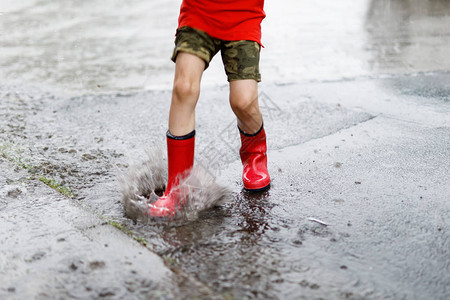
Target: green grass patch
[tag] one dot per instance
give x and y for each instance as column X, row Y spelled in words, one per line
column 122, row 228
column 169, row 260
column 228, row 296
column 56, row 186
column 140, row 240
column 15, row 156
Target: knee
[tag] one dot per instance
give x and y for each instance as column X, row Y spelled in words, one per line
column 243, row 102
column 185, row 90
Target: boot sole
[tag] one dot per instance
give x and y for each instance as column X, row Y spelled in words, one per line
column 257, row 190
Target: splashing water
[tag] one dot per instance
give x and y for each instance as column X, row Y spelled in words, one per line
column 143, row 182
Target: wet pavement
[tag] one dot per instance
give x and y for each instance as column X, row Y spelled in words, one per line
column 56, row 248
column 358, row 124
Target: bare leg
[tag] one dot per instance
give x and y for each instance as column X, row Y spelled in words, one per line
column 244, row 103
column 186, row 90
column 180, row 149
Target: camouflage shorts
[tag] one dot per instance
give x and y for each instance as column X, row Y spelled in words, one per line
column 240, row 58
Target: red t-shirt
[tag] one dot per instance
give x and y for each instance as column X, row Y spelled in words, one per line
column 229, row 20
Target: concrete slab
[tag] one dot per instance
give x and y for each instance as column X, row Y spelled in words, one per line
column 55, row 248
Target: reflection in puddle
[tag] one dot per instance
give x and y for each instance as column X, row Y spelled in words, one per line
column 253, row 210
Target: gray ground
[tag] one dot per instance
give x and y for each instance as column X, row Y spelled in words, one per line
column 355, row 98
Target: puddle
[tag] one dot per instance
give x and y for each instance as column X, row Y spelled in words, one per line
column 142, row 184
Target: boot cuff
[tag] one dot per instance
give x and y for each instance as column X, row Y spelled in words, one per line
column 183, row 137
column 251, row 134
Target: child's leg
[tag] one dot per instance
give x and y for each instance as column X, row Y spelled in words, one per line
column 193, row 52
column 244, row 103
column 186, row 90
column 181, row 135
column 241, row 61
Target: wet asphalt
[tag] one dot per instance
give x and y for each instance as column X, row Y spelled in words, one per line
column 358, row 127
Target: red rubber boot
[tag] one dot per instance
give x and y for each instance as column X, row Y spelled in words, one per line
column 254, row 160
column 180, row 155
